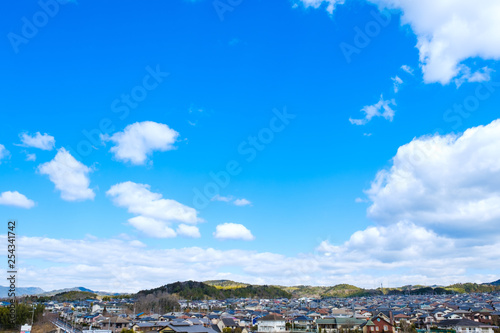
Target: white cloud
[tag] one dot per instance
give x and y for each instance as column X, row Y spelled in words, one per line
column 140, row 140
column 242, row 202
column 17, row 199
column 69, row 176
column 218, row 197
column 483, row 74
column 448, row 32
column 407, row 69
column 449, row 182
column 188, row 231
column 374, row 110
column 30, row 157
column 330, row 4
column 3, row 152
column 155, row 214
column 152, row 227
column 138, row 199
column 392, row 244
column 233, row 231
column 402, row 254
column 396, row 82
column 230, row 199
column 40, row 141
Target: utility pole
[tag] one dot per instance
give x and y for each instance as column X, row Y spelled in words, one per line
column 33, row 315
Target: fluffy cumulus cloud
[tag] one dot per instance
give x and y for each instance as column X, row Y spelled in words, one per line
column 139, row 140
column 393, row 244
column 188, row 231
column 449, row 182
column 152, row 227
column 3, row 152
column 69, row 176
column 412, row 251
column 233, row 231
column 448, row 33
column 38, row 140
column 154, row 213
column 16, row 199
column 381, row 109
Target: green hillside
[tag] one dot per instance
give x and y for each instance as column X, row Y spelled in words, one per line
column 199, row 290
column 222, row 289
column 69, row 296
column 340, row 290
column 226, row 284
column 473, row 288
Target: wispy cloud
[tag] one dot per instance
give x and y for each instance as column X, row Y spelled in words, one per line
column 396, row 82
column 230, row 199
column 3, row 152
column 381, row 109
column 38, row 140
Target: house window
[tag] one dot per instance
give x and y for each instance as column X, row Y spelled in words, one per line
column 376, row 328
column 371, row 328
column 386, row 328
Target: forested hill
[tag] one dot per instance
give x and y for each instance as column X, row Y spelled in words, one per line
column 223, row 289
column 199, row 290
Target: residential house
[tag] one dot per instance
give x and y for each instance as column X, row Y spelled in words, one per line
column 185, row 327
column 148, row 327
column 466, row 326
column 382, row 324
column 303, row 323
column 271, row 323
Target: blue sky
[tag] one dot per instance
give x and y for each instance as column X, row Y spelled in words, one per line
column 309, row 202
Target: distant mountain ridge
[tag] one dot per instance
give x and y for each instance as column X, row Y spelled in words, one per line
column 347, row 290
column 4, row 291
column 60, row 291
column 35, row 291
column 496, row 283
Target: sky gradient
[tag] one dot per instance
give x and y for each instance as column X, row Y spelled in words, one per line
column 283, row 142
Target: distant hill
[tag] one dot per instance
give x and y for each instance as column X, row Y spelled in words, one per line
column 83, row 289
column 69, row 296
column 226, row 284
column 496, row 283
column 473, row 288
column 340, row 290
column 194, row 290
column 60, row 291
column 347, row 290
column 4, row 291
